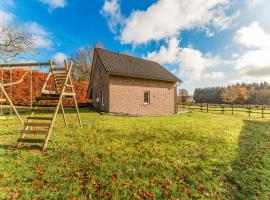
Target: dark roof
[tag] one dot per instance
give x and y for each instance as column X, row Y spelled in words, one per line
column 122, row 64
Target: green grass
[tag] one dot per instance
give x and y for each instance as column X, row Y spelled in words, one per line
column 189, row 156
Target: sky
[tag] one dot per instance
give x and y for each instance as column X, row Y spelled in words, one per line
column 203, row 42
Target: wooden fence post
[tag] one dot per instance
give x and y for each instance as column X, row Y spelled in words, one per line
column 232, row 109
column 262, row 112
column 207, row 107
column 223, row 111
column 249, row 109
column 201, row 107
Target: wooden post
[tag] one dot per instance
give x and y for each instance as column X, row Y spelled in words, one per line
column 207, row 107
column 223, row 111
column 262, row 112
column 232, row 109
column 201, row 107
column 249, row 111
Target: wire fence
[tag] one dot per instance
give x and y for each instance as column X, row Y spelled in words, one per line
column 249, row 110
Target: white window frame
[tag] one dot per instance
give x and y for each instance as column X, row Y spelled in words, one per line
column 148, row 99
column 102, row 98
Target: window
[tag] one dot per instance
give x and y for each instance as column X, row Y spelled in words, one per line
column 102, row 98
column 146, row 97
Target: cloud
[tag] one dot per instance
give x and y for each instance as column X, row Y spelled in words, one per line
column 53, row 4
column 169, row 54
column 111, row 11
column 59, row 57
column 194, row 63
column 253, row 3
column 167, row 18
column 6, row 17
column 253, row 36
column 41, row 38
column 255, row 61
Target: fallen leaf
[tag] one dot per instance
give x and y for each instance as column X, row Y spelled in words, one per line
column 115, row 179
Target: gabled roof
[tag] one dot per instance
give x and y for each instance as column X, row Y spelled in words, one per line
column 122, row 64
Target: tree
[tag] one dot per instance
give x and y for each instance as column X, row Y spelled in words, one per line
column 183, row 96
column 82, row 62
column 235, row 94
column 14, row 41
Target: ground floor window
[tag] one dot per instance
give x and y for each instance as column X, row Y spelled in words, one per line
column 146, row 97
column 102, row 98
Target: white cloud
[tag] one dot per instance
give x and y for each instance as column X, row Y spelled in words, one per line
column 59, row 57
column 41, row 38
column 167, row 55
column 253, row 36
column 255, row 62
column 53, row 4
column 253, row 3
column 166, row 18
column 6, row 17
column 194, row 63
column 111, row 10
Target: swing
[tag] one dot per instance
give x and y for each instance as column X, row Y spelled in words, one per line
column 7, row 98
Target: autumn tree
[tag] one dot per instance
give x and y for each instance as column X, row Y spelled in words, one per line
column 82, row 62
column 14, row 41
column 235, row 94
column 183, row 96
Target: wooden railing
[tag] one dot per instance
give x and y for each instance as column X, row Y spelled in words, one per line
column 263, row 111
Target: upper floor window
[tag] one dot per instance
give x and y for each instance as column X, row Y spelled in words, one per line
column 146, row 97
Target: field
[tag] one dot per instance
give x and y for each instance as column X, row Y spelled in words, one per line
column 188, row 156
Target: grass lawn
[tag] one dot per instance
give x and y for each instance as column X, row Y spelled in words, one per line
column 189, row 156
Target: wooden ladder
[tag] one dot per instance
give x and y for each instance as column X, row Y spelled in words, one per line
column 42, row 126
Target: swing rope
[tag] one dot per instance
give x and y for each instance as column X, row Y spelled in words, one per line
column 10, row 89
column 31, row 87
column 1, row 93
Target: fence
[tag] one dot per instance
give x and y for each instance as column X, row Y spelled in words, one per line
column 263, row 111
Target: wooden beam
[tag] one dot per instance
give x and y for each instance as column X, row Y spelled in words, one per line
column 27, row 64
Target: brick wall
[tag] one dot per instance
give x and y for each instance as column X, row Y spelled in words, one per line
column 99, row 83
column 126, row 95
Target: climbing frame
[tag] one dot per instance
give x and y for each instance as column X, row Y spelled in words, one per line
column 43, row 126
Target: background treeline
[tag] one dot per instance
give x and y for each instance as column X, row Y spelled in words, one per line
column 242, row 93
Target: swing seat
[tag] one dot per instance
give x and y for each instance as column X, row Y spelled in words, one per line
column 15, row 82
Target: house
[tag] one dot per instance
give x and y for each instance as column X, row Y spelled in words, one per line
column 123, row 84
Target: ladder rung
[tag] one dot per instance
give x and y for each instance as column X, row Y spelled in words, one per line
column 46, row 98
column 61, row 79
column 39, row 118
column 60, row 74
column 68, row 94
column 23, row 140
column 38, row 124
column 59, row 69
column 34, row 132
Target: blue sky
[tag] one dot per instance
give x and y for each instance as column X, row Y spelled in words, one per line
column 203, row 42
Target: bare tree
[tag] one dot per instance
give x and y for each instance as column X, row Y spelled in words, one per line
column 82, row 61
column 14, row 41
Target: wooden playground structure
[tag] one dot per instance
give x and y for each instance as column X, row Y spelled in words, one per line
column 62, row 88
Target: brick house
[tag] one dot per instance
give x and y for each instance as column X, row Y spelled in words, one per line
column 124, row 84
